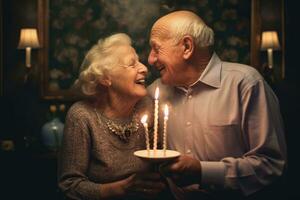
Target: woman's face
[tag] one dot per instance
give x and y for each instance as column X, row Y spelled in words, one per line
column 128, row 77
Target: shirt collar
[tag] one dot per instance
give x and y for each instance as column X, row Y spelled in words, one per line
column 211, row 75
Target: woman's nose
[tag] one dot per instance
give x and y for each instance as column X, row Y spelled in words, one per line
column 142, row 68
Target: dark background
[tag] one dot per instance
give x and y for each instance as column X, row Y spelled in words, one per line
column 30, row 171
column 289, row 96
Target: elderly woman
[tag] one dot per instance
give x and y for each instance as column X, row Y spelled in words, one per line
column 102, row 132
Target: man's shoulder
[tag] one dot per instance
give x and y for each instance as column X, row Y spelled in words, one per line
column 241, row 71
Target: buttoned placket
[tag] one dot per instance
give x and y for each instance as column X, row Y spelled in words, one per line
column 188, row 123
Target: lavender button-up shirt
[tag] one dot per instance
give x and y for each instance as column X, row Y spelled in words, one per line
column 230, row 121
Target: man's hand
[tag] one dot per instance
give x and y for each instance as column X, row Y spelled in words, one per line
column 184, row 170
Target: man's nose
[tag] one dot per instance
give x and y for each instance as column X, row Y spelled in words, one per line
column 152, row 58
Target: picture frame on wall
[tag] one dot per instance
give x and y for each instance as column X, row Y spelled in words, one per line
column 67, row 31
column 1, row 50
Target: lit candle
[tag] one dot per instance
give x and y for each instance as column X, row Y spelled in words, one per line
column 145, row 124
column 155, row 120
column 166, row 117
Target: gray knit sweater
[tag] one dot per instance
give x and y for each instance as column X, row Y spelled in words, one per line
column 91, row 155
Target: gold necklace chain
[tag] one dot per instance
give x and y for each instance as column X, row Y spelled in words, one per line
column 121, row 129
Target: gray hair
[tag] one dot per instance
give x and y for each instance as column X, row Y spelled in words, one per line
column 195, row 27
column 99, row 60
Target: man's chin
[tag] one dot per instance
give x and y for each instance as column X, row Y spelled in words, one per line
column 165, row 80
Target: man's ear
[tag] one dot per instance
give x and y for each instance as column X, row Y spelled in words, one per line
column 188, row 45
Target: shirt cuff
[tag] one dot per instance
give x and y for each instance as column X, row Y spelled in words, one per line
column 213, row 173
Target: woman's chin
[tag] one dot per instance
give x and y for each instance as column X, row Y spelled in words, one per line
column 141, row 94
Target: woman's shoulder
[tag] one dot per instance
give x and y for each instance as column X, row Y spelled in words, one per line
column 81, row 108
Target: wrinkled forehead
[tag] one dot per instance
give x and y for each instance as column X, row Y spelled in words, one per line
column 160, row 32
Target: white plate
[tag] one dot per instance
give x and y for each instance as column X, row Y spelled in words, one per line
column 159, row 156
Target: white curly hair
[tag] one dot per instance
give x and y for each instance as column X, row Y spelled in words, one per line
column 99, row 60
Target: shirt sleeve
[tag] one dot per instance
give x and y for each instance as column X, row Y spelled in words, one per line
column 265, row 156
column 213, row 173
column 74, row 159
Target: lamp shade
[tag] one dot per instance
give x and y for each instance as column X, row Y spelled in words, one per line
column 28, row 38
column 270, row 40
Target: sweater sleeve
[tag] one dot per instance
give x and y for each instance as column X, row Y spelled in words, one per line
column 74, row 158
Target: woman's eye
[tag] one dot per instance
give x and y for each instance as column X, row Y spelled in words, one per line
column 134, row 65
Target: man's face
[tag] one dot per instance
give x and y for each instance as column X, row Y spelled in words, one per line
column 166, row 56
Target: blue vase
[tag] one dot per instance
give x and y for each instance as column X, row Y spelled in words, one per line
column 52, row 133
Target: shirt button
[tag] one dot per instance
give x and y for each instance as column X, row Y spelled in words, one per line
column 188, row 123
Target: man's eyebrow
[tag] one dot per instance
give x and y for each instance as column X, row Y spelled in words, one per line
column 153, row 43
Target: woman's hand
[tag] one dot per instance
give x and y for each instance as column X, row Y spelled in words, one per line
column 146, row 185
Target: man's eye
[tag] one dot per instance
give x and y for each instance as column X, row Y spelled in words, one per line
column 156, row 49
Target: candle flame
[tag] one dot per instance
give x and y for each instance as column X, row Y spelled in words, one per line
column 144, row 119
column 166, row 111
column 156, row 93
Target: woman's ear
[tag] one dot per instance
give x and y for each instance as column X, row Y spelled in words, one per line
column 106, row 81
column 188, row 45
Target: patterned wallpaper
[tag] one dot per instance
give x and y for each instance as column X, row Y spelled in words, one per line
column 75, row 25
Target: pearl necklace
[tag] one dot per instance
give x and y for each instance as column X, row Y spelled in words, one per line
column 120, row 128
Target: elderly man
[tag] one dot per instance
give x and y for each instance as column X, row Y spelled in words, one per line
column 225, row 119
